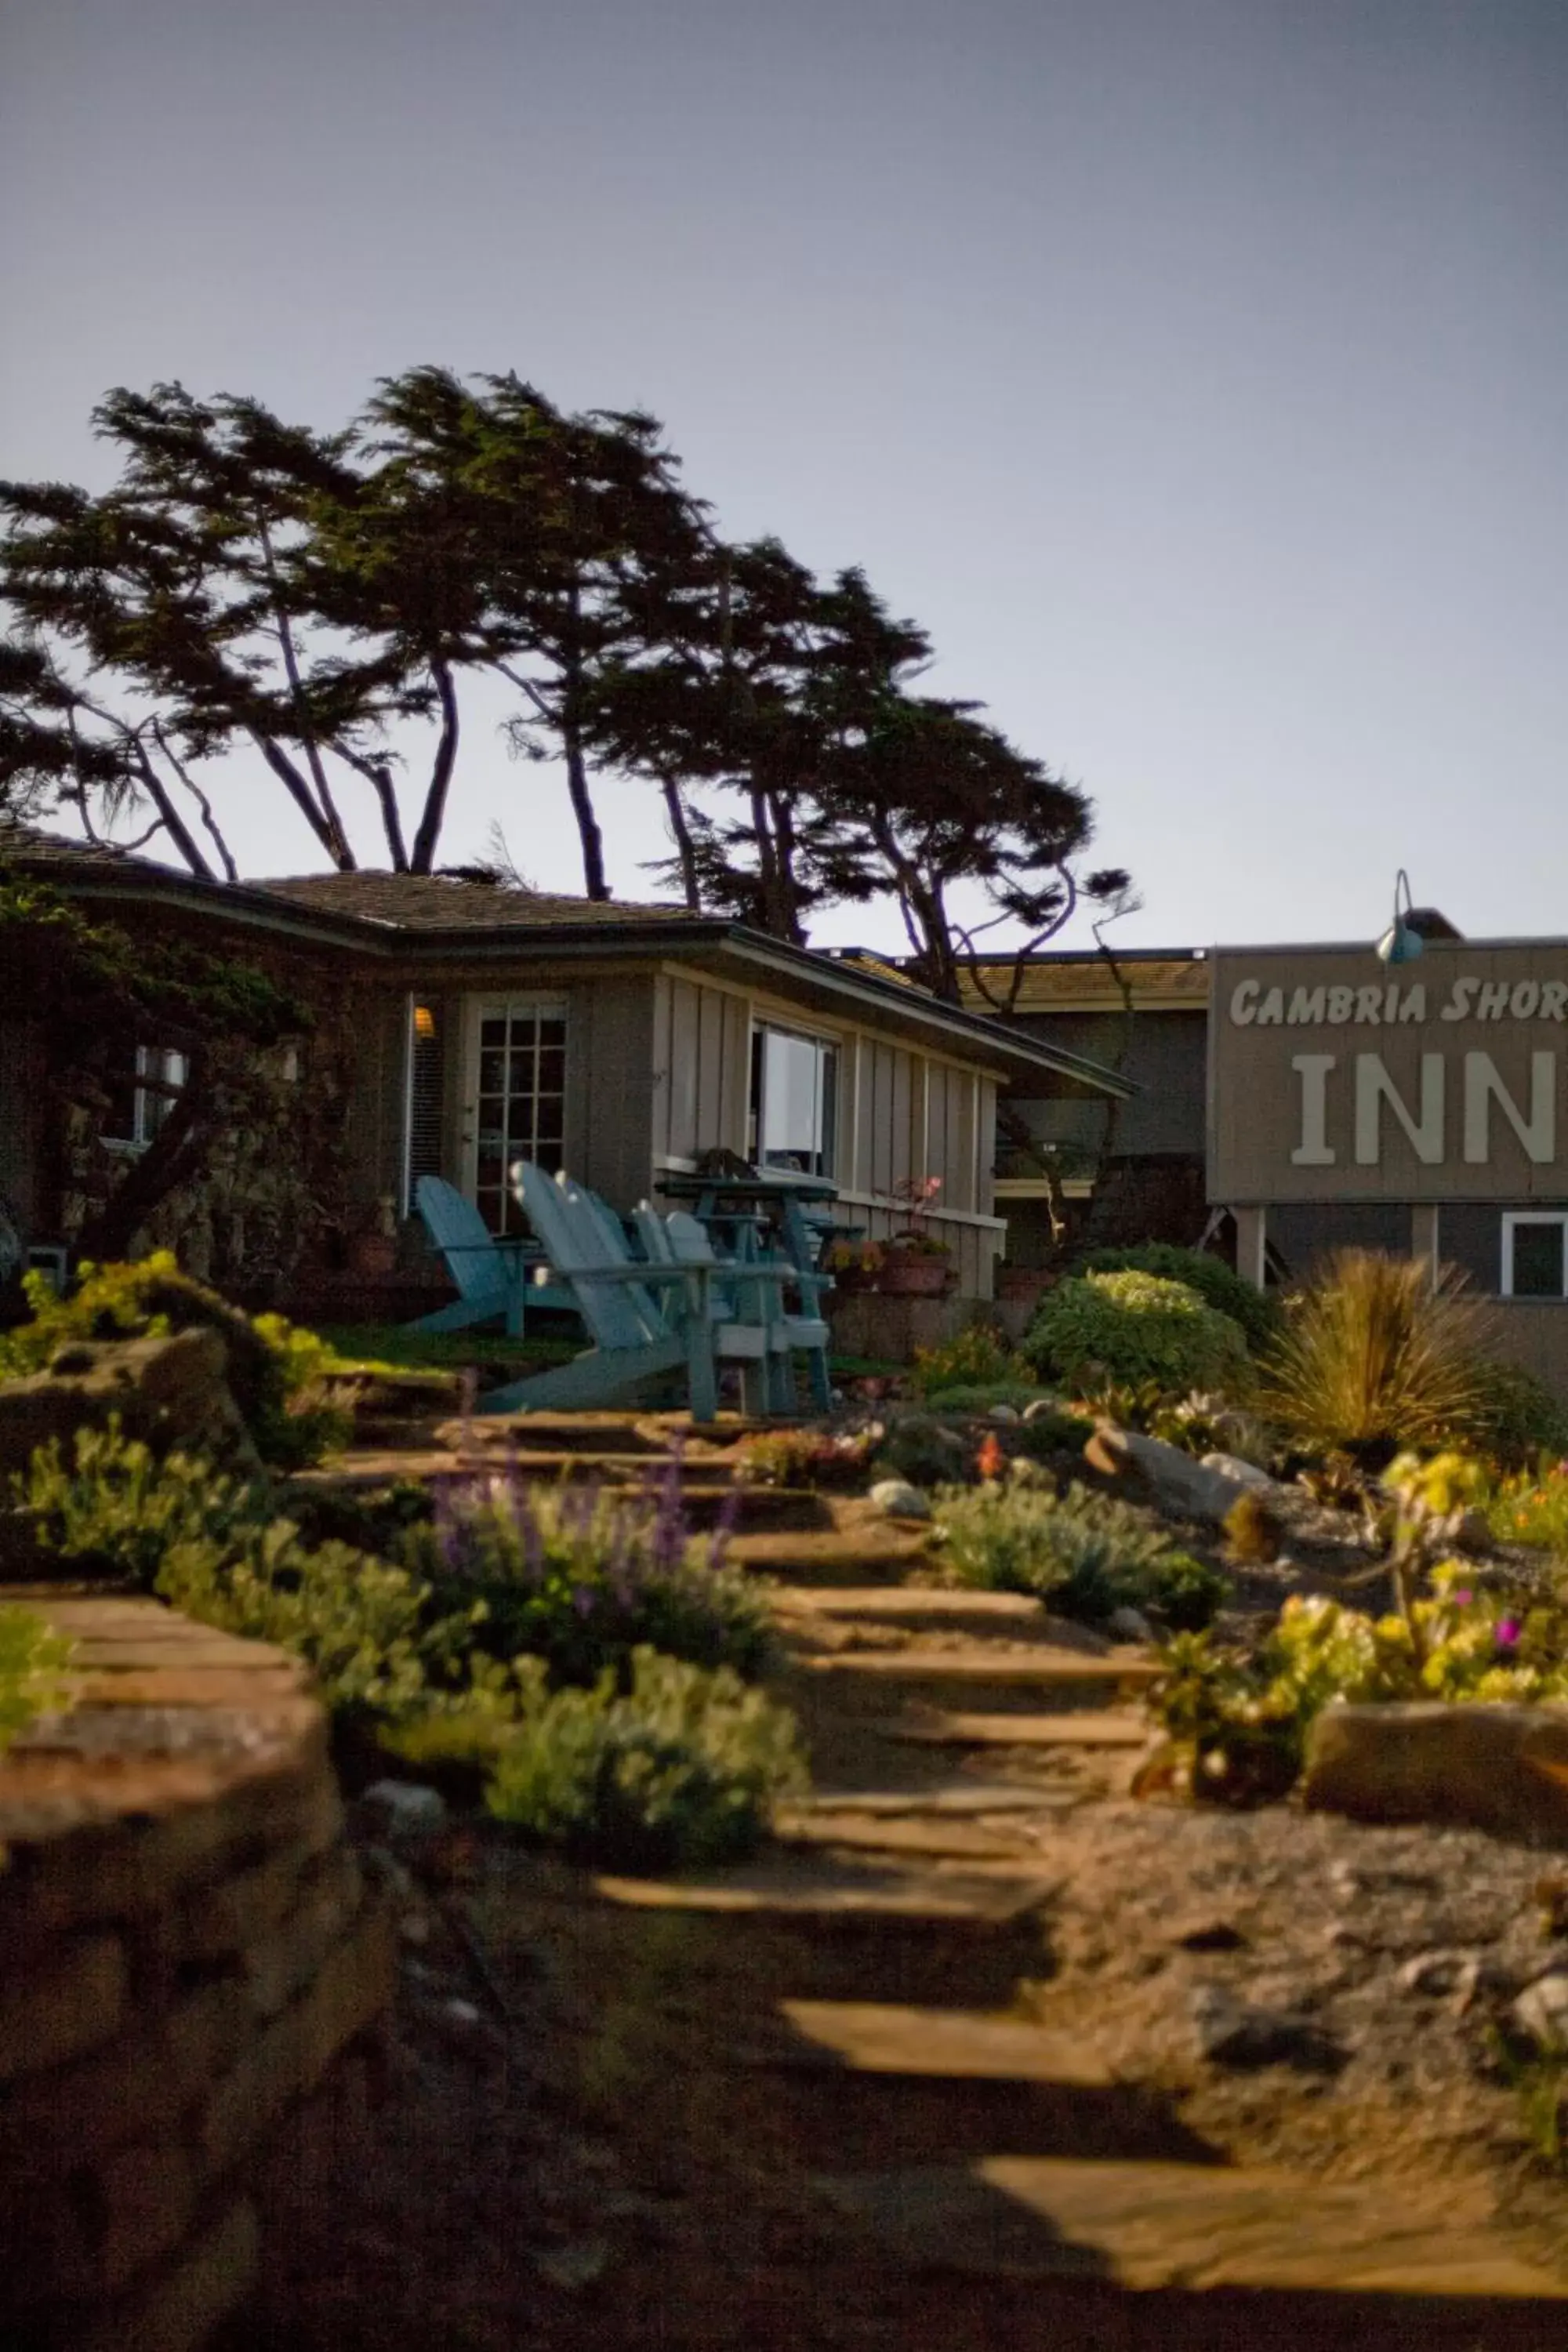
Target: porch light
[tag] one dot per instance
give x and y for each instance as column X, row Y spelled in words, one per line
column 424, row 1021
column 1399, row 943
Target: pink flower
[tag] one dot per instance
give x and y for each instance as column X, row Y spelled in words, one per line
column 1463, row 1599
column 1506, row 1632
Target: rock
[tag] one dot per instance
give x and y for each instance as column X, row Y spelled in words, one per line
column 1003, row 1412
column 1171, row 1479
column 1500, row 1769
column 170, row 1391
column 404, row 1809
column 1042, row 1408
column 896, row 1499
column 1232, row 2033
column 1474, row 1537
column 1245, row 1473
column 1480, row 1978
column 1210, row 1936
column 1129, row 1625
column 1431, row 1974
column 1541, row 2012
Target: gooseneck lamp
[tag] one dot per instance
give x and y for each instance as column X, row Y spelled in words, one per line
column 1399, row 943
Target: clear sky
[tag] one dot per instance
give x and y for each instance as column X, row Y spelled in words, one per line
column 1197, row 371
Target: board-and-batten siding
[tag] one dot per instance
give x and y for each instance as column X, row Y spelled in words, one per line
column 901, row 1114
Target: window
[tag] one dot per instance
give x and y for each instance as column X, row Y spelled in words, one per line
column 1534, row 1260
column 522, row 1103
column 794, row 1101
column 427, row 1089
column 143, row 1095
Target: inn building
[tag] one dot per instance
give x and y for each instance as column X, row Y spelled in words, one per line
column 1298, row 1099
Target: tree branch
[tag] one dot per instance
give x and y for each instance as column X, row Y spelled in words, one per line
column 423, row 854
column 230, row 869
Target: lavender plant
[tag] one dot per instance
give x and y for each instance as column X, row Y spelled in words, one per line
column 580, row 1575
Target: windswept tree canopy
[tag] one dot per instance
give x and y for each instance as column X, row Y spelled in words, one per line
column 317, row 601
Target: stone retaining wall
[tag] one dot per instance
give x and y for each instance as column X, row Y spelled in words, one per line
column 194, row 1980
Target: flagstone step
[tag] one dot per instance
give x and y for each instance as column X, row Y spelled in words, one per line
column 913, row 1604
column 926, row 1834
column 955, row 1797
column 893, row 2038
column 1082, row 1727
column 1034, row 1666
column 829, row 1893
column 1199, row 2229
column 704, row 1500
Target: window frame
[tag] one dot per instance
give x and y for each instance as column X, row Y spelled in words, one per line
column 826, row 1045
column 144, row 1129
column 1511, row 1221
column 489, row 1004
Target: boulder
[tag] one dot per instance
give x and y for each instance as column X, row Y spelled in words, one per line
column 171, row 1393
column 1245, row 1473
column 1542, row 2012
column 1163, row 1475
column 896, row 1499
column 1500, row 1769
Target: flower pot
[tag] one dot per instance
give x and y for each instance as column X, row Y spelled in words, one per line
column 913, row 1274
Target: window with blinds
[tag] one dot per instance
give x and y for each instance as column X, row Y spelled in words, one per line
column 426, row 1094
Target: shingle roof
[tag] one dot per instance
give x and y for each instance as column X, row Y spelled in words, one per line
column 52, row 849
column 441, row 902
column 1087, row 985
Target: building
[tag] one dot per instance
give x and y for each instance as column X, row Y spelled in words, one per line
column 461, row 1025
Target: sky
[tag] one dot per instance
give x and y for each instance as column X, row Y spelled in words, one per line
column 1194, row 371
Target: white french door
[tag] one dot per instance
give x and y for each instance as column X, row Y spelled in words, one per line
column 514, row 1098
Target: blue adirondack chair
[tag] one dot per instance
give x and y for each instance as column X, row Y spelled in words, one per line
column 751, row 1324
column 495, row 1279
column 645, row 1321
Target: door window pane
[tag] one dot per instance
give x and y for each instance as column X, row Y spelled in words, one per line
column 521, row 1106
column 1538, row 1259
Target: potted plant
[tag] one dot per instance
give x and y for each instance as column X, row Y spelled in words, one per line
column 916, row 1263
column 855, row 1265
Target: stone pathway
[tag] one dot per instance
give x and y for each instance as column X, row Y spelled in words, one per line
column 859, row 2028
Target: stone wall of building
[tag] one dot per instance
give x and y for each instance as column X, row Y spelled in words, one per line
column 196, row 1980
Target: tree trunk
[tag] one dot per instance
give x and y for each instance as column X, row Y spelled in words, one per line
column 423, row 854
column 675, row 809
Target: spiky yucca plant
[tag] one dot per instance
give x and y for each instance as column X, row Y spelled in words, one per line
column 1375, row 1361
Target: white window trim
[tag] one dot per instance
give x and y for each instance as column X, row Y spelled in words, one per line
column 829, row 1041
column 1513, row 1220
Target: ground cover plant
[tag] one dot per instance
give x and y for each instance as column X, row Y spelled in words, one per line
column 807, row 1457
column 1086, row 1554
column 978, row 1357
column 32, row 1662
column 519, row 1614
column 274, row 1368
column 1128, row 1329
column 1532, row 1508
column 580, row 1576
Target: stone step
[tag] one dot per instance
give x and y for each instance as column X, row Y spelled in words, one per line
column 1035, row 1668
column 830, row 1894
column 932, row 1835
column 1085, row 1727
column 894, row 2038
column 927, row 1606
column 1198, row 2230
column 836, row 1557
column 962, row 1798
column 704, row 1499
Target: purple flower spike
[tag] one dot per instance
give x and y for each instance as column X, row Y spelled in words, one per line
column 724, row 1527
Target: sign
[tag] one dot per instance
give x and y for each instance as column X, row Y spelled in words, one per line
column 1334, row 1078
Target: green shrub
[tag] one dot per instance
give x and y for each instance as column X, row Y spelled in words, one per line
column 32, row 1660
column 683, row 1769
column 581, row 1577
column 1046, row 1436
column 1086, row 1554
column 1375, row 1361
column 1518, row 1418
column 979, row 1396
column 1132, row 1328
column 1533, row 1510
column 1257, row 1311
column 274, row 1370
column 978, row 1357
column 117, row 1509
